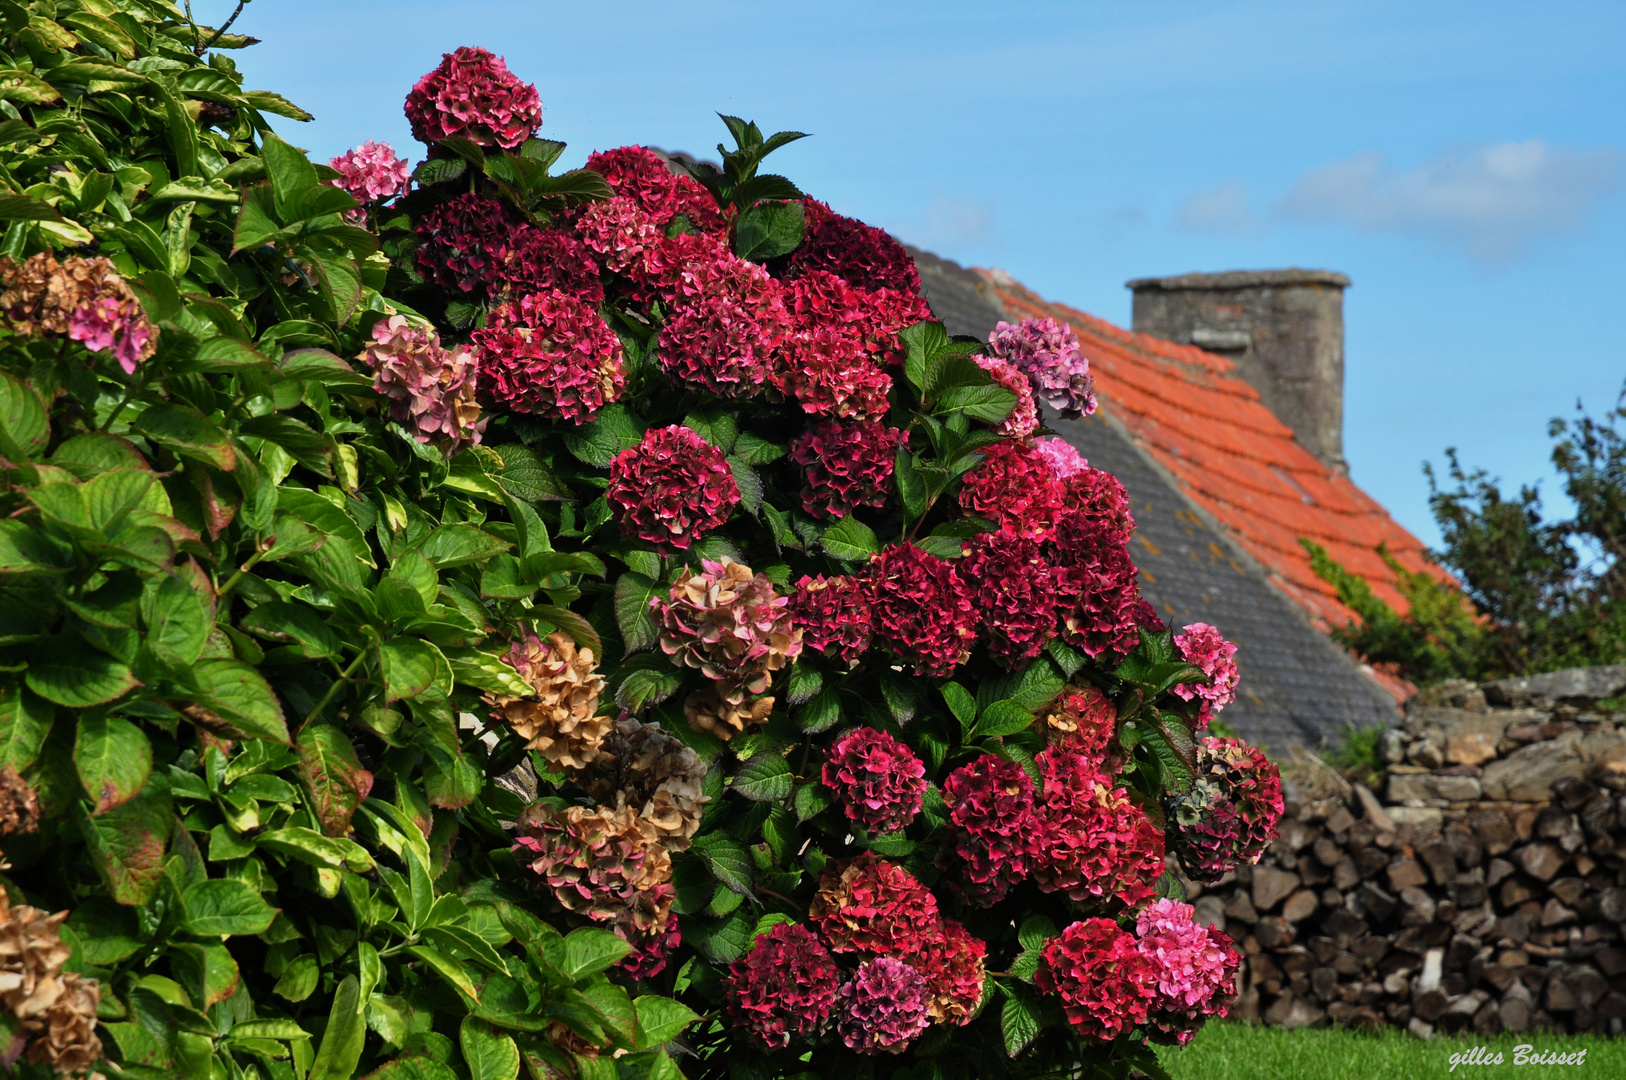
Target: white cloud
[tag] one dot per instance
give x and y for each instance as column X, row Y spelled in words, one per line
column 1224, row 209
column 949, row 224
column 1492, row 202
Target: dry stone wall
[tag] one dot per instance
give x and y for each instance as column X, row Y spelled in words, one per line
column 1485, row 890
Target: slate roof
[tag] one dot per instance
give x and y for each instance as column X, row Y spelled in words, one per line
column 1297, row 686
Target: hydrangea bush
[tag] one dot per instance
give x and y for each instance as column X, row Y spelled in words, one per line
column 573, row 622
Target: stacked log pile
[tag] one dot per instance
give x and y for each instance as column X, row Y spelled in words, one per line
column 1486, row 892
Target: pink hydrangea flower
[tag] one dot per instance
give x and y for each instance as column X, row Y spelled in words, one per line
column 729, row 624
column 551, row 355
column 672, row 488
column 1100, row 501
column 839, row 337
column 727, row 321
column 1063, row 456
column 649, row 954
column 883, row 1007
column 1203, row 645
column 1047, row 352
column 871, row 905
column 785, row 988
column 1230, row 814
column 921, row 609
column 643, row 176
column 473, row 95
column 1105, row 984
column 1094, row 844
column 990, row 803
column 1024, row 415
column 619, row 231
column 878, row 779
column 862, row 255
column 431, row 389
column 1014, row 592
column 1097, row 593
column 111, row 323
column 1014, row 487
column 1194, row 967
column 369, row 173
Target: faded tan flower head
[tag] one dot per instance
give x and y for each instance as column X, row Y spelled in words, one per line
column 659, row 778
column 606, row 863
column 19, row 805
column 560, row 721
column 707, row 711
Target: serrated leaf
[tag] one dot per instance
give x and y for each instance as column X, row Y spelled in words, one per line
column 333, row 777
column 721, row 941
column 1019, row 1021
column 224, row 906
column 488, row 1053
column 765, row 778
column 813, row 799
column 769, row 229
column 961, row 704
column 633, row 593
column 127, row 843
column 1002, row 718
column 25, row 721
column 727, row 860
column 753, row 450
column 73, row 674
column 644, row 687
column 412, row 667
column 451, row 970
column 597, row 443
column 345, row 1035
column 822, row 713
column 232, row 698
column 589, row 951
column 660, row 1020
column 899, row 693
column 850, row 540
column 113, row 758
column 805, row 681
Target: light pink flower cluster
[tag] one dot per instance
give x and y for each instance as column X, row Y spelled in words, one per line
column 1024, row 415
column 1104, row 982
column 727, row 321
column 883, row 1007
column 920, row 609
column 878, row 779
column 1194, row 967
column 731, row 625
column 1047, row 352
column 551, row 354
column 846, row 465
column 1063, row 456
column 620, row 232
column 672, row 488
column 370, row 173
column 834, row 616
column 1204, row 646
column 473, row 95
column 110, row 323
column 990, row 803
column 1014, row 487
column 785, row 988
column 1014, row 592
column 431, row 389
column 1094, row 843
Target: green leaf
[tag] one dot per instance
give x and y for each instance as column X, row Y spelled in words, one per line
column 911, row 488
column 589, row 951
column 765, row 778
column 812, row 799
column 644, row 687
column 961, row 704
column 899, row 693
column 71, row 673
column 187, row 432
column 769, row 229
column 225, row 906
column 333, row 777
column 925, row 342
column 752, row 450
column 178, row 620
column 989, row 404
column 25, row 721
column 721, row 941
column 412, row 666
column 299, row 979
column 660, row 1020
column 269, row 1029
column 580, row 630
column 727, row 860
column 25, row 550
column 22, row 414
column 1002, row 718
column 25, row 88
column 1019, row 1020
column 301, row 626
column 447, row 968
column 822, row 713
column 310, row 846
column 599, row 442
column 716, row 425
column 488, row 1053
column 345, row 1034
column 266, row 101
column 127, row 843
column 208, row 972
column 232, row 698
column 113, row 758
column 524, row 476
column 290, row 171
column 850, row 540
column 749, row 482
column 485, row 671
column 458, row 544
column 633, row 593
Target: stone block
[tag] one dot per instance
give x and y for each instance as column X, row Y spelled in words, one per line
column 1470, row 747
column 1403, row 871
column 1541, row 861
column 1572, row 686
column 1430, row 786
column 1419, row 818
column 1271, row 886
column 1528, row 774
column 1300, row 906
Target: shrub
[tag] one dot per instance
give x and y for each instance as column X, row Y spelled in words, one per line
column 402, row 645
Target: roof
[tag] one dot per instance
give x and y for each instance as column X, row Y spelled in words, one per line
column 1200, row 421
column 1297, row 686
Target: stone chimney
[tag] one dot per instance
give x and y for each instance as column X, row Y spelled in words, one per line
column 1284, row 329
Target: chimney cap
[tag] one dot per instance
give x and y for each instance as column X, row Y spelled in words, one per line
column 1240, row 279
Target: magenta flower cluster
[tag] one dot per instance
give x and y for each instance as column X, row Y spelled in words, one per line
column 472, row 95
column 878, row 780
column 550, row 354
column 1202, row 645
column 672, row 488
column 845, row 465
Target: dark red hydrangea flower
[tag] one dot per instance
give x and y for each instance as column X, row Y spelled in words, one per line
column 727, row 321
column 883, row 1007
column 990, row 803
column 846, row 465
column 785, row 988
column 1195, row 968
column 551, row 355
column 1101, row 500
column 662, row 266
column 1014, row 487
column 544, row 260
column 1230, row 814
column 1083, row 721
column 620, row 232
column 464, row 243
column 1094, row 843
column 870, row 905
column 1104, row 982
column 878, row 779
column 920, row 609
column 643, row 176
column 833, row 614
column 831, row 360
column 1012, row 589
column 649, row 955
column 472, row 95
column 952, row 963
column 1097, row 593
column 672, row 488
column 864, row 256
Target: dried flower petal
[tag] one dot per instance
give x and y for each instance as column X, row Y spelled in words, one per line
column 560, row 719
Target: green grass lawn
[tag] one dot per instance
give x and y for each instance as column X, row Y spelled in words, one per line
column 1227, row 1051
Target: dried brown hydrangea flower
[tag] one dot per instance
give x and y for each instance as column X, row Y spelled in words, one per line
column 710, row 713
column 606, row 863
column 19, row 805
column 66, row 1034
column 57, row 1009
column 560, row 720
column 644, row 768
column 83, row 299
column 731, row 625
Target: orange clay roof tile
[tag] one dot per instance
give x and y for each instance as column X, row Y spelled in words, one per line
column 1234, row 458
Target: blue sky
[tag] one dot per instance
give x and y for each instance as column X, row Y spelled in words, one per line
column 1464, row 163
